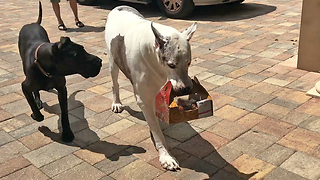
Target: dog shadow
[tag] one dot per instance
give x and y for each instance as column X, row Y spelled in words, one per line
column 204, row 159
column 86, row 28
column 85, row 138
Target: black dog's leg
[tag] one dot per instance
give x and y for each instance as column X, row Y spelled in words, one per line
column 36, row 114
column 36, row 96
column 67, row 135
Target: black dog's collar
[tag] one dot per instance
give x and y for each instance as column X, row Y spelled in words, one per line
column 37, row 63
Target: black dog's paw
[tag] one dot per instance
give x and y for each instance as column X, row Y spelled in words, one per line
column 37, row 118
column 67, row 137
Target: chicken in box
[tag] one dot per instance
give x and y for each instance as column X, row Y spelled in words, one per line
column 175, row 109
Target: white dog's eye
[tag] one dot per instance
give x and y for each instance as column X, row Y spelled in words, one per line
column 172, row 66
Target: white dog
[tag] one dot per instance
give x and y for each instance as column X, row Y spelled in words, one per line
column 149, row 54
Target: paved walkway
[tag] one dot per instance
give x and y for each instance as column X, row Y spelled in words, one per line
column 245, row 57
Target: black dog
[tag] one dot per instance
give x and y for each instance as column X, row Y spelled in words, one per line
column 46, row 64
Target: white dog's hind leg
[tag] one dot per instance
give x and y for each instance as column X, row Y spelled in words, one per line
column 114, row 70
column 167, row 161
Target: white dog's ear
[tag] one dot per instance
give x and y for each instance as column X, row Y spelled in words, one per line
column 160, row 40
column 189, row 32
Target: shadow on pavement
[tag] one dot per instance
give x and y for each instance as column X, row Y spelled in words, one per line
column 225, row 12
column 86, row 28
column 85, row 138
column 196, row 153
column 215, row 13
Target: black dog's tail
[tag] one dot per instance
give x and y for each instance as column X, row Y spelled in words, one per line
column 40, row 14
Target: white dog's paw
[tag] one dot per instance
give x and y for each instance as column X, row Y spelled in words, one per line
column 168, row 162
column 117, row 107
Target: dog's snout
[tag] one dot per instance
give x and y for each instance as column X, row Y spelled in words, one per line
column 98, row 62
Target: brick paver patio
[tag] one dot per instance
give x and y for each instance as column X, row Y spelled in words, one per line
column 264, row 127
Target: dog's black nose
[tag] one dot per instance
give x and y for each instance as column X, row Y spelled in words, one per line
column 98, row 62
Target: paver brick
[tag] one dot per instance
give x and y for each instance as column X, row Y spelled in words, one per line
column 247, row 166
column 251, row 119
column 254, row 78
column 230, row 113
column 245, row 105
column 265, row 87
column 16, row 123
column 130, row 171
column 292, row 95
column 208, row 142
column 60, row 165
column 30, row 172
column 115, row 162
column 254, row 96
column 241, row 83
column 309, row 108
column 220, row 100
column 8, row 98
column 105, row 118
column 104, row 104
column 134, row 134
column 276, row 154
column 274, row 127
column 35, row 140
column 81, row 172
column 311, row 123
column 301, row 140
column 273, row 111
column 280, row 174
column 228, row 129
column 5, row 138
column 228, row 89
column 285, row 103
column 225, row 175
column 12, row 150
column 17, row 107
column 4, row 115
column 48, row 154
column 182, row 131
column 13, row 165
column 295, row 117
column 252, row 143
column 145, row 150
column 118, row 126
column 191, row 165
column 218, row 80
column 303, row 165
column 205, row 123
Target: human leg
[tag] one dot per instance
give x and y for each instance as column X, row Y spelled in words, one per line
column 74, row 7
column 56, row 10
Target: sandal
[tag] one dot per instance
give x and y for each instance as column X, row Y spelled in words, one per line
column 79, row 24
column 62, row 27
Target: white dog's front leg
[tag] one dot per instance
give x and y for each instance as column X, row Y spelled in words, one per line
column 167, row 161
column 114, row 71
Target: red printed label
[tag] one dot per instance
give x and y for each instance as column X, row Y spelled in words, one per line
column 162, row 102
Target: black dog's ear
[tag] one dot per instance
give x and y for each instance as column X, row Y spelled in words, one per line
column 63, row 42
column 55, row 48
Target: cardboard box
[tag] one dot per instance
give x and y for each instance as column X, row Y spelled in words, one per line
column 167, row 109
